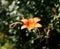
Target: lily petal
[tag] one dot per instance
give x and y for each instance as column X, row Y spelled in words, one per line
column 23, row 27
column 31, row 20
column 36, row 19
column 38, row 25
column 24, row 20
column 29, row 29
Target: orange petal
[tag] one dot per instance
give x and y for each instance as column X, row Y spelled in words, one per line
column 36, row 19
column 31, row 20
column 24, row 20
column 29, row 29
column 38, row 25
column 23, row 27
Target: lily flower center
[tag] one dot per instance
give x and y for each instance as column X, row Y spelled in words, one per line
column 30, row 24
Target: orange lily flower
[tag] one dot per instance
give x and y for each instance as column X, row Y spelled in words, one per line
column 31, row 23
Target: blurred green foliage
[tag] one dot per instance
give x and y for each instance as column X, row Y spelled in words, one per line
column 14, row 10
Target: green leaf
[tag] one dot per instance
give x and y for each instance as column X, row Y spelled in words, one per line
column 58, row 30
